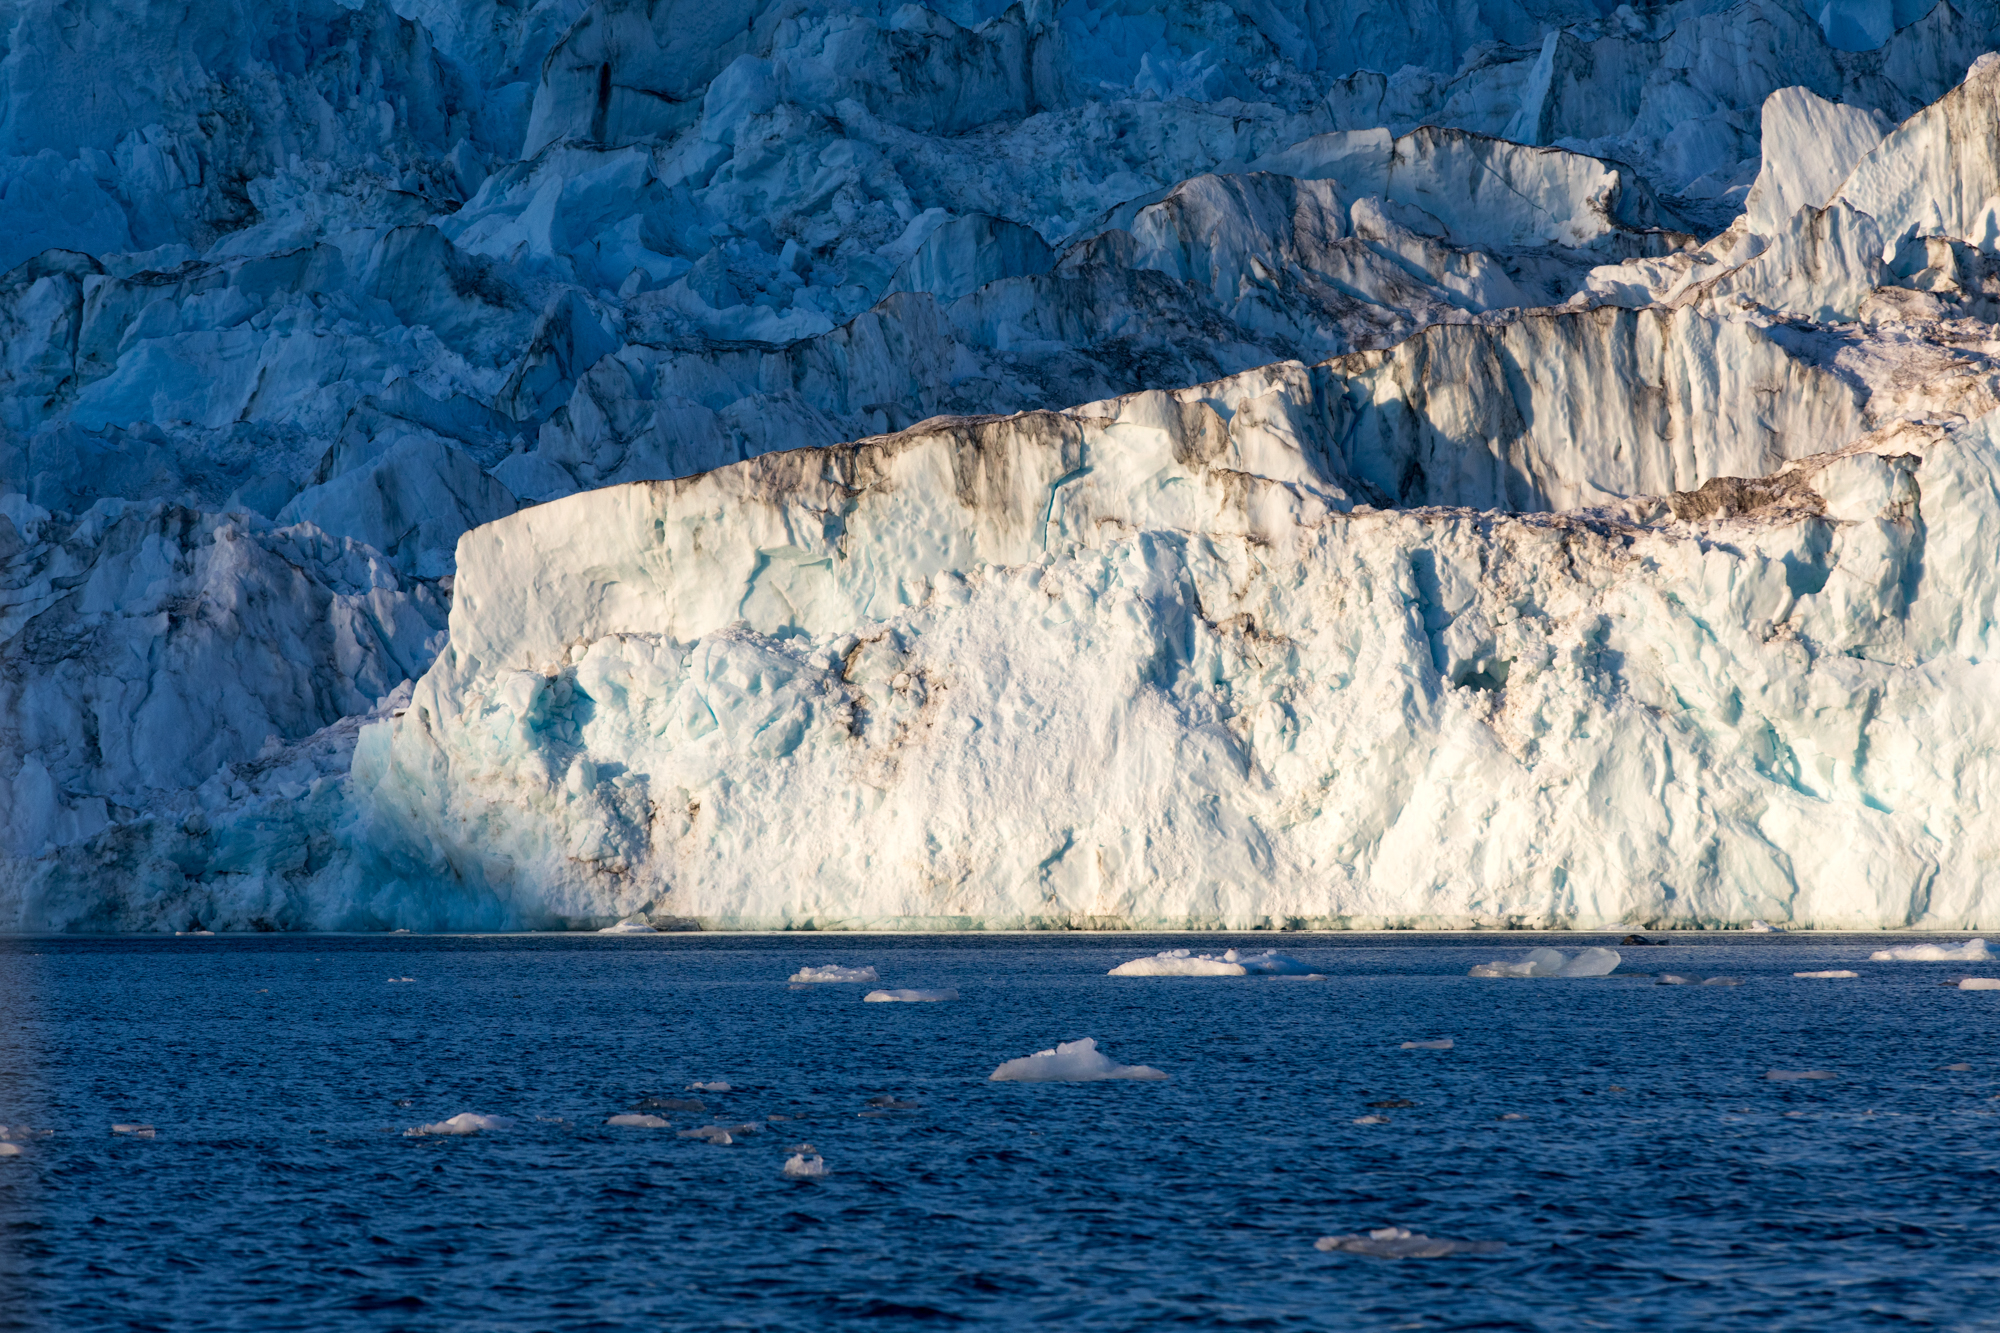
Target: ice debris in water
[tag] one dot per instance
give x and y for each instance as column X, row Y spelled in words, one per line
column 1402, row 1243
column 1371, row 1120
column 1443, row 1045
column 1972, row 951
column 909, row 996
column 1763, row 928
column 1232, row 963
column 670, row 1104
column 715, row 1134
column 1070, row 1062
column 638, row 1122
column 1553, row 963
column 137, row 1130
column 465, row 1122
column 834, row 972
column 1799, row 1075
column 10, row 1149
column 629, row 928
column 708, row 1087
column 1835, row 973
column 392, row 981
column 1690, row 979
column 1980, row 983
column 801, row 1167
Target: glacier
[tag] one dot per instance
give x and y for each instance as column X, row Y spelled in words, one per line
column 554, row 464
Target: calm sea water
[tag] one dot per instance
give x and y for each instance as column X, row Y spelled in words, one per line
column 1656, row 1179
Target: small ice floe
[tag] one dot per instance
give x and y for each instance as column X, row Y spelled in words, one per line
column 1957, row 1069
column 719, row 1135
column 10, row 1150
column 22, row 1133
column 629, row 928
column 1979, row 983
column 1972, row 951
column 1232, row 963
column 1402, row 1243
column 1832, row 975
column 465, row 1122
column 834, row 972
column 1070, row 1062
column 1763, row 928
column 909, row 996
column 1443, row 1045
column 1371, row 1120
column 1513, row 1115
column 194, row 932
column 137, row 1131
column 394, row 980
column 695, row 1104
column 638, row 1122
column 708, row 1087
column 801, row 1167
column 1723, row 981
column 1799, row 1075
column 1553, row 963
column 400, row 930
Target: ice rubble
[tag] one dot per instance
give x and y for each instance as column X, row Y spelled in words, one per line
column 801, row 1166
column 638, row 1121
column 1553, row 963
column 465, row 1122
column 1971, row 951
column 834, row 972
column 1070, row 1062
column 305, row 301
column 1230, row 963
column 909, row 996
column 1402, row 1243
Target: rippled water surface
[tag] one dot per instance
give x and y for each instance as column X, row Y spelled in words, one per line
column 1656, row 1177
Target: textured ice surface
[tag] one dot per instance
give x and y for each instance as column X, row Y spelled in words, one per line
column 1596, row 962
column 1402, row 1243
column 1070, row 1062
column 1971, row 951
column 909, row 996
column 1543, row 485
column 637, row 1122
column 465, row 1122
column 1230, row 963
column 834, row 972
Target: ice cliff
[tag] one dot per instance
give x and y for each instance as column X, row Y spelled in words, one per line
column 1048, row 465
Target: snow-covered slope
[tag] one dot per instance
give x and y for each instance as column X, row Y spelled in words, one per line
column 1480, row 356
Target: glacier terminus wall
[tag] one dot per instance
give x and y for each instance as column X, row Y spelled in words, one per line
column 1056, row 466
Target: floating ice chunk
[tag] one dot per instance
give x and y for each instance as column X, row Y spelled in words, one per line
column 1972, row 951
column 1980, row 983
column 629, row 928
column 1371, row 1120
column 1796, row 1075
column 1723, row 981
column 715, row 1134
column 1231, row 963
column 1837, row 972
column 1070, row 1062
column 1513, row 1115
column 801, row 1167
column 909, row 996
column 465, row 1122
column 1958, row 1069
column 136, row 1130
column 194, row 932
column 1402, row 1243
column 708, row 1087
column 391, row 979
column 1553, row 963
column 638, row 1122
column 1763, row 928
column 1444, row 1045
column 10, row 1150
column 1677, row 979
column 835, row 972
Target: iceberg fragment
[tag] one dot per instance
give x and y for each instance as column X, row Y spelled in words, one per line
column 1979, row 983
column 909, row 996
column 1971, row 951
column 1070, row 1062
column 1595, row 962
column 1402, row 1243
column 834, row 972
column 1443, row 1045
column 799, row 1166
column 1831, row 974
column 636, row 1121
column 629, row 928
column 1231, row 963
column 465, row 1122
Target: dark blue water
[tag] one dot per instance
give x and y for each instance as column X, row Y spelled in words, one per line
column 1657, row 1179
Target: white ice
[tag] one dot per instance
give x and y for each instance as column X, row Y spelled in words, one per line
column 144, row 1131
column 10, row 1150
column 834, row 972
column 1833, row 973
column 1402, row 1243
column 628, row 928
column 1070, row 1062
column 1979, row 983
column 1231, row 963
column 638, row 1121
column 717, row 1086
column 909, row 996
column 1595, row 962
column 1972, row 951
column 799, row 1166
column 465, row 1122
